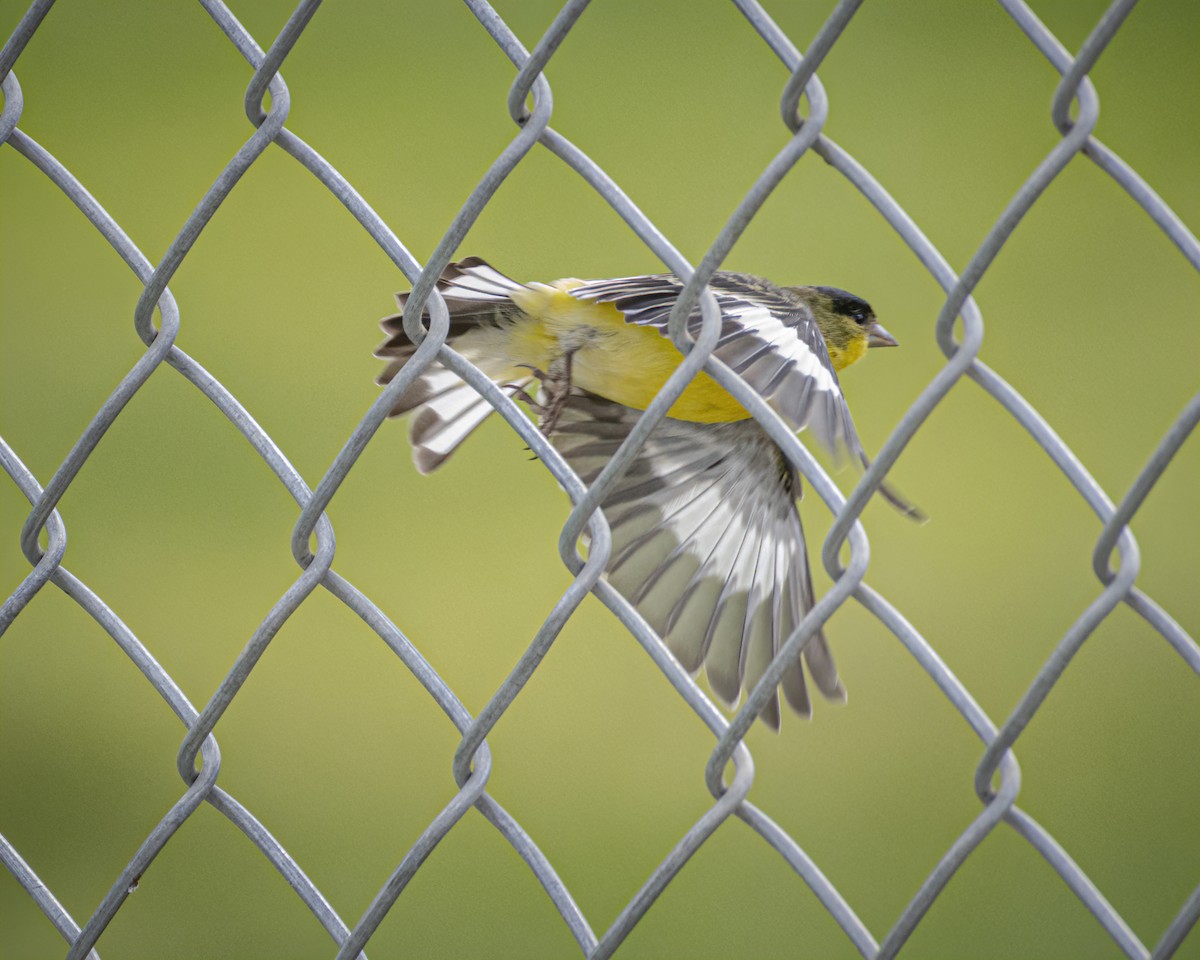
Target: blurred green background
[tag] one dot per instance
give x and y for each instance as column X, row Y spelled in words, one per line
column 1091, row 314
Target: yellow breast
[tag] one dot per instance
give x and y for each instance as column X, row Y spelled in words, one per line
column 617, row 360
column 852, row 352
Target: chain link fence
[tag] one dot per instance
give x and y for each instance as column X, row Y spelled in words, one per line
column 804, row 109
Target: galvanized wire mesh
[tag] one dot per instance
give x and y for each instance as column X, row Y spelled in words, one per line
column 997, row 781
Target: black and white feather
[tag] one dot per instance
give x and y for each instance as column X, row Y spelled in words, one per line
column 707, row 542
column 707, row 545
column 448, row 410
column 768, row 337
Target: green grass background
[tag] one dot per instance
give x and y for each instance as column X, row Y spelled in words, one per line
column 1090, row 311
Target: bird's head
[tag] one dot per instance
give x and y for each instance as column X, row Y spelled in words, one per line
column 846, row 322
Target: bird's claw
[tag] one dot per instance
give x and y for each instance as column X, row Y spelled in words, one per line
column 517, row 392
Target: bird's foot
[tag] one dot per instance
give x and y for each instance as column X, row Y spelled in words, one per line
column 556, row 385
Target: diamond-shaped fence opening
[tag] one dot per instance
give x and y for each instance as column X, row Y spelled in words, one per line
column 463, row 713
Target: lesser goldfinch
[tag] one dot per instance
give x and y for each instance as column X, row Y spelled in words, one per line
column 706, row 536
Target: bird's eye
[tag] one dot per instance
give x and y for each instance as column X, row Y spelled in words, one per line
column 859, row 317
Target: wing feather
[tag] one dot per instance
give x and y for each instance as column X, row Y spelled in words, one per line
column 768, row 336
column 707, row 544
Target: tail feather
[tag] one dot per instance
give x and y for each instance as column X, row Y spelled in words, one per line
column 441, row 425
column 464, row 315
column 793, row 604
column 476, row 279
column 475, row 292
column 435, row 381
column 477, row 297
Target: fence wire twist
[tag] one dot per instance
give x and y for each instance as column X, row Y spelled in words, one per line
column 472, row 762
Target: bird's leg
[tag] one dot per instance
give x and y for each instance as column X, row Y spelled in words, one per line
column 558, row 388
column 557, row 384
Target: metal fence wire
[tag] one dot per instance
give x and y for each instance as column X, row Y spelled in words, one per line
column 997, row 781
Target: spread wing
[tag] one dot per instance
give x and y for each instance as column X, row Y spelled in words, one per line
column 768, row 337
column 707, row 544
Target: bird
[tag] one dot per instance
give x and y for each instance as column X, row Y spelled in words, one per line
column 707, row 542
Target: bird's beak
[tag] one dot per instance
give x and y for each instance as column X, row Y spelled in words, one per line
column 878, row 337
